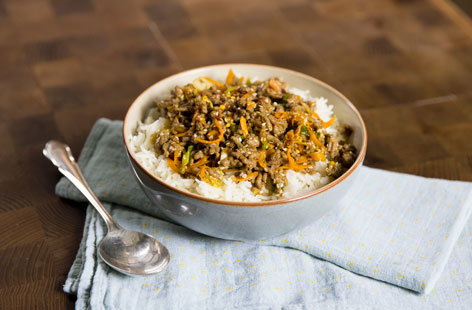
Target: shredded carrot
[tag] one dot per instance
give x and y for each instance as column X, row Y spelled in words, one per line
column 208, row 141
column 314, row 139
column 280, row 114
column 213, row 81
column 209, row 178
column 317, row 156
column 261, row 159
column 314, row 114
column 247, row 94
column 329, row 123
column 199, row 118
column 248, row 177
column 171, row 164
column 212, row 133
column 230, row 77
column 182, row 134
column 302, row 160
column 290, row 136
column 243, row 123
column 292, row 165
column 201, row 174
column 241, row 79
column 200, row 162
column 176, row 159
column 291, row 161
column 217, row 140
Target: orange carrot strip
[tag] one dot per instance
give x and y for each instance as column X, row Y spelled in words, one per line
column 290, row 136
column 208, row 141
column 201, row 174
column 243, row 123
column 280, row 114
column 292, row 165
column 314, row 139
column 302, row 160
column 230, row 77
column 261, row 160
column 317, row 156
column 218, row 140
column 181, row 134
column 212, row 133
column 200, row 162
column 213, row 81
column 315, row 115
column 248, row 177
column 329, row 123
column 247, row 94
column 172, row 165
column 176, row 159
column 291, row 161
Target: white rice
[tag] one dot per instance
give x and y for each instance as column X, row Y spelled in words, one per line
column 298, row 183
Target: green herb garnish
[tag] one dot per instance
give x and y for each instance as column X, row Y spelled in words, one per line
column 304, row 130
column 186, row 159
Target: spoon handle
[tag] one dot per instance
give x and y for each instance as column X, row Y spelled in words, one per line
column 61, row 156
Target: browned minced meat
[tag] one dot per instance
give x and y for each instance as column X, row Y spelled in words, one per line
column 252, row 131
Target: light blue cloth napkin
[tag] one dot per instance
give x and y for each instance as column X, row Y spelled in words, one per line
column 396, row 228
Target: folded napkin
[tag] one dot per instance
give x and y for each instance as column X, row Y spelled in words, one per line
column 397, row 228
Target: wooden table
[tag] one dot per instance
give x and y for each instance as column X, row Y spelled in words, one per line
column 406, row 64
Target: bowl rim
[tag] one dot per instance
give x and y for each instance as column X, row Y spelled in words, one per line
column 357, row 163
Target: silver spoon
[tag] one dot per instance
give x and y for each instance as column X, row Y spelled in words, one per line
column 127, row 251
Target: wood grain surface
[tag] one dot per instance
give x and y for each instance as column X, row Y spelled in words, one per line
column 407, row 66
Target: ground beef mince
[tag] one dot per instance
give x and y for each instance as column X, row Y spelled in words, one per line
column 249, row 131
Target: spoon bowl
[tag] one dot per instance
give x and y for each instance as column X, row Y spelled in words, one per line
column 127, row 251
column 132, row 252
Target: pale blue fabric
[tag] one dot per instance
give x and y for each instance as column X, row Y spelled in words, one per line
column 398, row 229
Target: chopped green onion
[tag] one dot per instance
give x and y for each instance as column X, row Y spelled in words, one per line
column 232, row 128
column 248, row 82
column 285, row 97
column 186, row 159
column 305, row 131
column 265, row 145
column 229, row 90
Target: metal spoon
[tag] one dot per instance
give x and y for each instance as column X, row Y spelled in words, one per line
column 127, row 251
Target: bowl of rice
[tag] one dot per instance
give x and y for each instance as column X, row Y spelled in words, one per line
column 244, row 151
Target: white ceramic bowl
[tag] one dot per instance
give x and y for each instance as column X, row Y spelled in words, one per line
column 245, row 220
